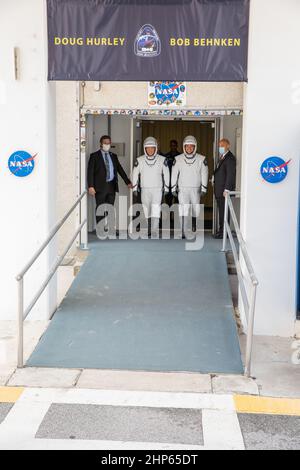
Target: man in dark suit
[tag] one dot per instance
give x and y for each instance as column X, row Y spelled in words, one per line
column 224, row 179
column 103, row 170
column 170, row 157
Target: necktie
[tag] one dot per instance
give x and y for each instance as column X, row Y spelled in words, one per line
column 106, row 159
column 220, row 161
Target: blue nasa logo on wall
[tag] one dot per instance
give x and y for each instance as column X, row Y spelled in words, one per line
column 274, row 169
column 167, row 92
column 147, row 42
column 21, row 163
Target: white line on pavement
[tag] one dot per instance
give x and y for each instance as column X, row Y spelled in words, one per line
column 21, row 424
column 125, row 398
column 65, row 444
column 221, row 430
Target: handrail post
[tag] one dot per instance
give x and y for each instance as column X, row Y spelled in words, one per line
column 225, row 221
column 250, row 331
column 20, row 335
column 84, row 231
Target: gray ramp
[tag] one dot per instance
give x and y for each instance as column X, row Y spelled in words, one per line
column 145, row 305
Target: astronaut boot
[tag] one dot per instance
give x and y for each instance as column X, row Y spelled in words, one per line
column 186, row 227
column 183, row 223
column 194, row 224
column 154, row 227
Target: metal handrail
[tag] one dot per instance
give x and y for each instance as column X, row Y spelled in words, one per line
column 249, row 303
column 22, row 315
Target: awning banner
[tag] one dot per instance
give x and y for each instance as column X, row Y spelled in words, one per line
column 148, row 40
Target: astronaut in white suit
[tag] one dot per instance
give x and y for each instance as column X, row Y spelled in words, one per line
column 189, row 180
column 151, row 175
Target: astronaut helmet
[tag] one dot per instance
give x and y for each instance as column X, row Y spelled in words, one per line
column 150, row 142
column 190, row 140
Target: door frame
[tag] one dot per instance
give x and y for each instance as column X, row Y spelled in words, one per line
column 212, row 115
column 217, row 121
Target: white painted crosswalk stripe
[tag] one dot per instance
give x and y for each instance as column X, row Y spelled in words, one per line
column 44, row 419
column 221, row 430
column 123, row 398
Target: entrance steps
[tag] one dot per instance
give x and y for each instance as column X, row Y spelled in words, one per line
column 132, row 381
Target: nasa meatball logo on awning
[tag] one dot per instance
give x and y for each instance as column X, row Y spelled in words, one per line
column 21, row 163
column 274, row 169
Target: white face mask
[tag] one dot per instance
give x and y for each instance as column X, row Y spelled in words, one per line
column 106, row 147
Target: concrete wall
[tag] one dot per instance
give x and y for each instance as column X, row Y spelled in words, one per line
column 272, row 127
column 67, row 158
column 230, row 126
column 135, row 94
column 27, row 205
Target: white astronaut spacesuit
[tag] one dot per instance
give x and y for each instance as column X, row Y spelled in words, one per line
column 189, row 179
column 152, row 176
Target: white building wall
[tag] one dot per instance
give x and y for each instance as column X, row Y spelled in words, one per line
column 67, row 146
column 27, row 106
column 134, row 95
column 272, row 127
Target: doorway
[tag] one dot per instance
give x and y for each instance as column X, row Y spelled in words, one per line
column 178, row 129
column 120, row 130
column 128, row 134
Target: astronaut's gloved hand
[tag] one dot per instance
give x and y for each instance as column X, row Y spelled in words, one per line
column 202, row 195
column 135, row 193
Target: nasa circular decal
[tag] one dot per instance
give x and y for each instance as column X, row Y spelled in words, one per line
column 21, row 163
column 274, row 169
column 166, row 94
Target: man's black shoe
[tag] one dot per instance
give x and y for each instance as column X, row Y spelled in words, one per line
column 218, row 236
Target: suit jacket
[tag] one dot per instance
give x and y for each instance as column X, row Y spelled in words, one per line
column 96, row 173
column 225, row 175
